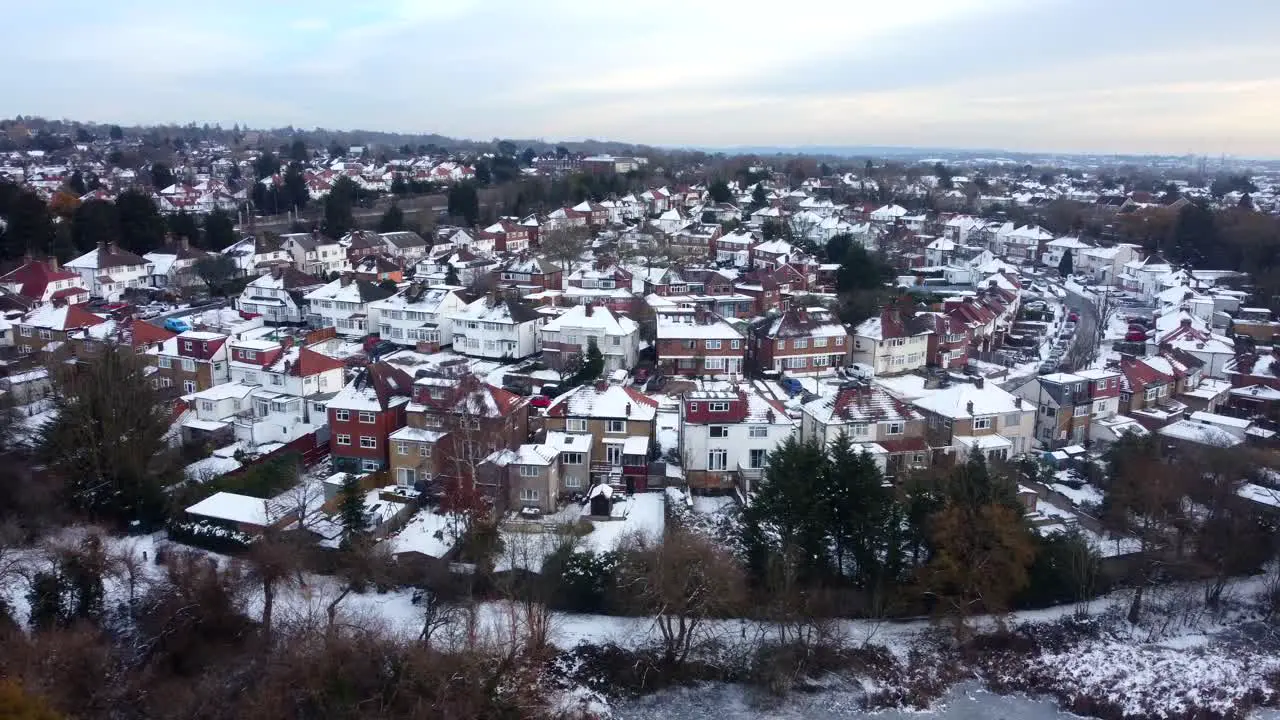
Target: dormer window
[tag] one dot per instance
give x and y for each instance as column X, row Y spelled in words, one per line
column 718, row 407
column 187, row 345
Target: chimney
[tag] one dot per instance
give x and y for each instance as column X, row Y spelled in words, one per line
column 628, row 411
column 277, row 272
column 54, row 265
column 1017, row 401
column 969, row 407
column 1185, row 322
column 589, row 308
column 345, row 279
column 979, row 381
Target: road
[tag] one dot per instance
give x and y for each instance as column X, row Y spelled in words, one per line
column 1084, row 344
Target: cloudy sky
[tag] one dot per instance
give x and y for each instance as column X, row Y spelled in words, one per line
column 1072, row 75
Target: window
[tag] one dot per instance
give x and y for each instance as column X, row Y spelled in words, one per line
column 1100, row 385
column 758, row 431
column 718, row 460
column 800, row 343
column 576, row 425
column 1081, row 410
column 368, row 442
column 187, row 345
column 344, row 439
column 402, row 448
column 251, row 378
column 529, row 494
column 982, row 423
column 893, row 428
column 755, row 459
column 573, row 482
column 616, row 426
column 714, row 363
column 860, row 429
column 367, row 417
column 797, row 362
column 369, row 465
column 188, row 386
column 713, row 344
column 26, row 331
column 613, row 454
column 1013, row 419
column 404, row 477
column 917, row 459
column 164, row 363
column 530, row 471
column 571, row 458
column 819, row 342
column 718, row 407
column 424, row 451
column 45, row 334
column 1100, row 406
column 276, row 379
column 341, row 415
column 719, row 431
column 188, row 365
column 166, row 382
column 250, row 355
column 206, row 405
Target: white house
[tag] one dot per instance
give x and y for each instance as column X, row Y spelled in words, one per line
column 292, row 386
column 418, row 314
column 892, row 343
column 1058, row 247
column 256, row 255
column 726, row 436
column 617, row 336
column 345, row 304
column 497, row 327
column 314, row 253
column 406, row 245
column 107, row 271
column 174, row 264
column 887, row 213
column 279, row 296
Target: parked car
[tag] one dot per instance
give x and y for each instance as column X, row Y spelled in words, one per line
column 178, row 325
column 1135, row 336
column 640, row 376
column 542, row 402
column 1074, row 317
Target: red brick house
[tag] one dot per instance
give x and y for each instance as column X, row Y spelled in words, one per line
column 363, row 416
column 699, row 344
column 531, row 271
column 949, row 343
column 596, row 214
column 802, row 341
column 508, row 235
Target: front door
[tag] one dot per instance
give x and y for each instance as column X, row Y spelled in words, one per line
column 613, row 454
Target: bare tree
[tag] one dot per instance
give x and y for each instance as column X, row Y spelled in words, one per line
column 363, row 563
column 684, row 582
column 566, row 245
column 273, row 563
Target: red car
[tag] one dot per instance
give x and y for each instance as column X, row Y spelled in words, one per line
column 541, row 402
column 1135, row 336
column 1074, row 317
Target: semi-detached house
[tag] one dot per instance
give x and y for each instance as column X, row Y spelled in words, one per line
column 497, row 327
column 107, row 271
column 892, row 343
column 365, row 414
column 699, row 343
column 346, row 305
column 976, row 417
column 571, row 334
column 726, row 437
column 621, row 422
column 802, row 341
column 279, row 296
column 314, row 253
column 418, row 316
column 878, row 423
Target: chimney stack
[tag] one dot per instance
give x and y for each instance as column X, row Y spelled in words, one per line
column 969, row 407
column 1017, row 401
column 345, row 279
column 54, row 265
column 628, row 411
column 601, row 386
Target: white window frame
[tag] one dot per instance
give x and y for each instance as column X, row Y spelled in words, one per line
column 713, row 344
column 368, row 442
column 718, row 431
column 530, row 471
column 368, row 418
column 717, row 460
column 530, row 495
column 341, row 415
column 610, row 425
column 982, row 423
column 575, row 425
column 758, row 431
column 343, row 440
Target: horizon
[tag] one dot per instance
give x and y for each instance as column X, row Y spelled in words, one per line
column 941, row 75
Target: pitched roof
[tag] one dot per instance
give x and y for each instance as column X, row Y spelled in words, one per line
column 34, row 276
column 613, row 401
column 65, row 317
column 860, row 403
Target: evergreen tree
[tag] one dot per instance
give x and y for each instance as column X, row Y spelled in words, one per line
column 392, row 220
column 593, row 366
column 29, row 227
column 451, row 276
column 758, row 198
column 1065, row 268
column 183, row 225
column 95, row 221
column 115, row 133
column 294, row 194
column 298, row 151
column 339, row 216
column 76, row 184
column 141, row 226
column 719, row 192
column 161, row 176
column 219, row 230
column 464, row 202
column 399, row 186
column 789, row 517
column 352, row 512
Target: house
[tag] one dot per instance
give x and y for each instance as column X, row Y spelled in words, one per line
column 291, row 385
column 699, row 343
column 603, row 282
column 39, row 282
column 1104, row 265
column 193, row 361
column 1067, row 405
column 620, row 422
column 364, row 415
column 1213, row 350
column 279, row 295
column 506, row 235
column 892, row 343
column 876, row 421
column 948, row 346
column 108, row 271
column 802, row 341
column 418, row 316
column 361, row 244
column 255, row 255
column 497, row 326
column 47, row 327
column 174, row 264
column 314, row 253
column 453, row 424
column 1148, row 389
column 529, row 271
column 977, row 417
column 344, row 304
column 531, row 474
column 726, row 437
column 1056, row 249
column 570, row 335
column 406, row 246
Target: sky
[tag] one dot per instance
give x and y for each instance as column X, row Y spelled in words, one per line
column 1123, row 76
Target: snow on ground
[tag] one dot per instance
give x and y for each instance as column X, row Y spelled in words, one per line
column 528, row 544
column 668, row 431
column 1084, row 495
column 210, row 468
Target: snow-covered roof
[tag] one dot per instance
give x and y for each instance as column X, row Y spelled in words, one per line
column 954, row 402
column 427, row 532
column 598, row 318
column 612, row 401
column 1199, row 433
column 688, row 327
column 236, row 508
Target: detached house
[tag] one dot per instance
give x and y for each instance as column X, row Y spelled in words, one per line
column 406, row 246
column 314, row 253
column 726, row 437
column 108, row 271
column 255, row 255
column 365, row 414
column 699, row 343
column 531, row 272
column 570, row 334
column 174, row 264
column 290, row 386
column 880, row 424
column 977, row 417
column 619, row 422
column 279, row 296
column 345, row 304
column 893, row 343
column 1067, row 405
column 39, row 282
column 802, row 341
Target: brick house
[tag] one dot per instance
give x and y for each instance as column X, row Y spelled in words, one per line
column 364, row 415
column 764, row 290
column 507, row 235
column 726, row 437
column 976, row 417
column 620, row 424
column 531, row 271
column 454, row 422
column 893, row 343
column 948, row 345
column 596, row 214
column 46, row 328
column 884, row 426
column 361, row 244
column 802, row 341
column 699, row 343
column 704, row 288
column 602, row 283
column 377, row 269
column 192, row 361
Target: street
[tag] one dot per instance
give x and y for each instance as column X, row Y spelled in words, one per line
column 1085, row 341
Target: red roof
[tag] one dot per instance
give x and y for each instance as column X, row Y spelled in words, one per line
column 34, row 277
column 144, row 333
column 311, row 362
